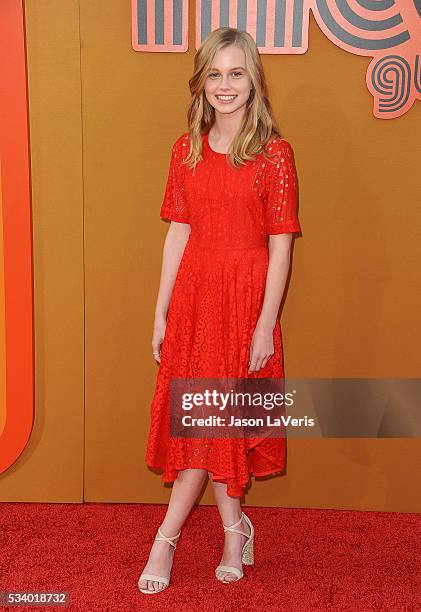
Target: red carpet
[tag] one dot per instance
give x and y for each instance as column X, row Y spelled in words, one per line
column 305, row 559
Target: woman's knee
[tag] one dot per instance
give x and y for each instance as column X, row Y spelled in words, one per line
column 191, row 473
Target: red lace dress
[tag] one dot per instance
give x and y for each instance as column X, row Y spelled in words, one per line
column 217, row 298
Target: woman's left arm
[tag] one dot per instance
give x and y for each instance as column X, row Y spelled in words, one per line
column 262, row 348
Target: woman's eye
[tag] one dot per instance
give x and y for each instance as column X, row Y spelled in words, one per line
column 214, row 75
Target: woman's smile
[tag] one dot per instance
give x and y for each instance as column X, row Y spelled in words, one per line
column 225, row 99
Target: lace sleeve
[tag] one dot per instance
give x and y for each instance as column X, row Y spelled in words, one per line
column 174, row 205
column 281, row 193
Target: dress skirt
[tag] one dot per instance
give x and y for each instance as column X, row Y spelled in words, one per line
column 215, row 305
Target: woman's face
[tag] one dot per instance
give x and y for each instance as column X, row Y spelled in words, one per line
column 228, row 83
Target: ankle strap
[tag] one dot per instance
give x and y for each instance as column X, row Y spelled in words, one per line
column 232, row 527
column 161, row 537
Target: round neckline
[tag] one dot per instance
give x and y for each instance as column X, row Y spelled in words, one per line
column 210, row 148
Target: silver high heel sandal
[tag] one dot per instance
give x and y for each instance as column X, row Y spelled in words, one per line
column 159, row 536
column 248, row 550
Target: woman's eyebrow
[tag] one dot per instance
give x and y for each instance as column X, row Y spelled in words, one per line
column 236, row 68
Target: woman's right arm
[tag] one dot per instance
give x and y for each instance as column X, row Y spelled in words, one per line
column 174, row 245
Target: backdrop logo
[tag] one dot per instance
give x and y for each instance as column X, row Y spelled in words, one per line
column 389, row 31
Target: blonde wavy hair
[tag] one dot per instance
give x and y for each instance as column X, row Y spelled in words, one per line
column 259, row 125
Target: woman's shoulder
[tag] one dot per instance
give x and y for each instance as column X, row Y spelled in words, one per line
column 277, row 144
column 279, row 152
column 181, row 141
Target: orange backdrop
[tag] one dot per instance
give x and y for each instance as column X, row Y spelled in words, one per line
column 102, row 121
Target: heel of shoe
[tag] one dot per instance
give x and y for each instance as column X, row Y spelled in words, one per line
column 248, row 553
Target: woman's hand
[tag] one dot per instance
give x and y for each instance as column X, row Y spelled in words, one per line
column 158, row 337
column 261, row 348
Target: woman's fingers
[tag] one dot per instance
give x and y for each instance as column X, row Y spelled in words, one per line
column 265, row 360
column 261, row 349
column 156, row 350
column 157, row 340
column 252, row 362
column 257, row 363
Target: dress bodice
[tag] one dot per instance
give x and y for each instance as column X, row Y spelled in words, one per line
column 230, row 207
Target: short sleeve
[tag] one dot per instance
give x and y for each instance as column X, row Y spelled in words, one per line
column 174, row 205
column 281, row 190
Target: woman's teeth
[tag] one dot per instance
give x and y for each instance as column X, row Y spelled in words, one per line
column 225, row 98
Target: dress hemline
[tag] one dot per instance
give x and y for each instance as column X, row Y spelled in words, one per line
column 233, row 492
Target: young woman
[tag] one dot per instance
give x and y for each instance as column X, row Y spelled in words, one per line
column 231, row 196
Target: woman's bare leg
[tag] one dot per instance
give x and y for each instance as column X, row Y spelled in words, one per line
column 185, row 491
column 230, row 511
